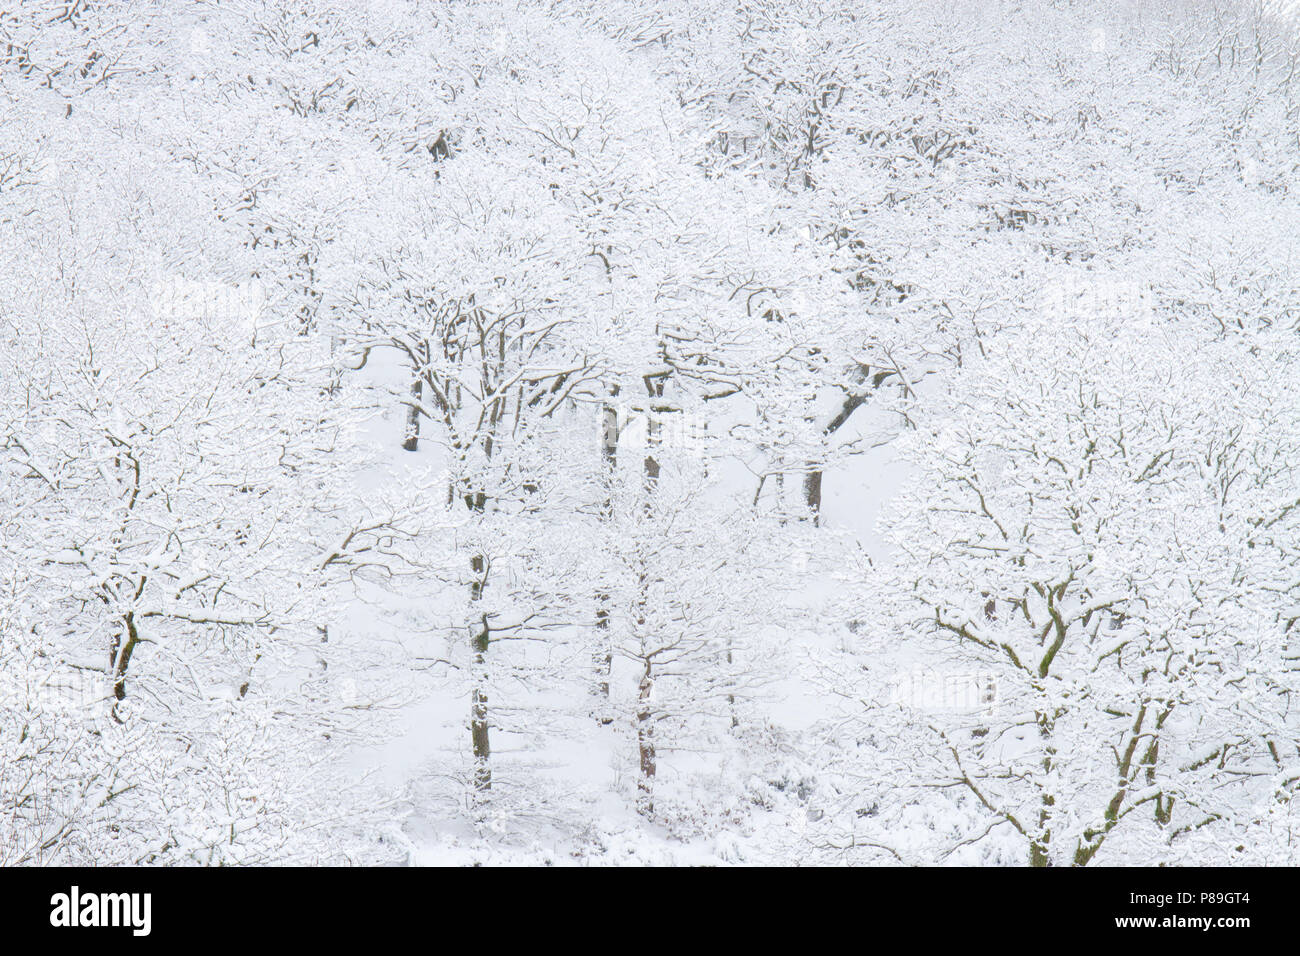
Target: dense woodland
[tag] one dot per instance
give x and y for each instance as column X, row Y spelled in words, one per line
column 649, row 431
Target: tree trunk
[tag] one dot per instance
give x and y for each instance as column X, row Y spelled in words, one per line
column 731, row 698
column 1040, row 842
column 120, row 659
column 812, row 483
column 645, row 744
column 120, row 656
column 478, row 714
column 812, row 492
column 411, row 437
column 653, row 431
column 603, row 653
column 644, row 712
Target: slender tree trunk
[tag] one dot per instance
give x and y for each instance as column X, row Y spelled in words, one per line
column 653, row 432
column 336, row 371
column 812, row 492
column 476, row 500
column 120, row 655
column 644, row 712
column 645, row 743
column 609, row 432
column 603, row 653
column 602, row 660
column 478, row 715
column 311, row 298
column 812, row 483
column 1040, row 842
column 731, row 698
column 478, row 726
column 411, row 437
column 1164, row 809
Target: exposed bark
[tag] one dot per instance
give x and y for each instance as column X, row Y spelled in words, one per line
column 655, row 386
column 120, row 657
column 411, row 437
column 125, row 642
column 478, row 720
column 812, row 493
column 644, row 713
column 1041, row 841
column 812, row 483
column 1095, row 838
column 603, row 654
column 645, row 743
